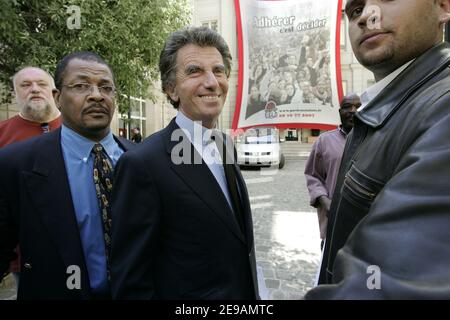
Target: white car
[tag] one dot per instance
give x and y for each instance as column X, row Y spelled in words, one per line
column 260, row 147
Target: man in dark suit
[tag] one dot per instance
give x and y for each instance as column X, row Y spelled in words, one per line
column 182, row 223
column 38, row 115
column 52, row 189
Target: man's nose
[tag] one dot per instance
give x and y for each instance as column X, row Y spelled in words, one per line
column 371, row 16
column 35, row 87
column 210, row 80
column 95, row 93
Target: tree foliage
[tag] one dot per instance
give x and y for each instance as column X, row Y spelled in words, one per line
column 128, row 34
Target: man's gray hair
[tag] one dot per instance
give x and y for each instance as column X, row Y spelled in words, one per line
column 13, row 78
column 200, row 36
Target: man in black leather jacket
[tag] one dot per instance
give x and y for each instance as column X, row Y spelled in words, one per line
column 389, row 223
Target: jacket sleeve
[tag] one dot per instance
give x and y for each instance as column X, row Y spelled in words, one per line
column 315, row 174
column 135, row 223
column 8, row 233
column 400, row 249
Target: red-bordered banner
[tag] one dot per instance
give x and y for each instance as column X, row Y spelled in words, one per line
column 289, row 63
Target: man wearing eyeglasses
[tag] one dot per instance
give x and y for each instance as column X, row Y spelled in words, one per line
column 54, row 190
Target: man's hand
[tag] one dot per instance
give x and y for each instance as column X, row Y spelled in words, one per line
column 325, row 202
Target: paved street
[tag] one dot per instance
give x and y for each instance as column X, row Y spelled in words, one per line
column 8, row 289
column 286, row 230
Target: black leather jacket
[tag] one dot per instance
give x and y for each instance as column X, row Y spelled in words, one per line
column 391, row 209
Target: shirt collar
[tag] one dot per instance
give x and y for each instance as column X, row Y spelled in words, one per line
column 375, row 89
column 342, row 131
column 193, row 128
column 81, row 146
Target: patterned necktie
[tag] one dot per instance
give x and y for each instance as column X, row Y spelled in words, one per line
column 103, row 180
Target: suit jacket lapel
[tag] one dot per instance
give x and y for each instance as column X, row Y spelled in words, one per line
column 243, row 194
column 124, row 143
column 50, row 193
column 246, row 206
column 203, row 183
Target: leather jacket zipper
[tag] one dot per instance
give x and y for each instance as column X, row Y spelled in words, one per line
column 359, row 187
column 352, row 148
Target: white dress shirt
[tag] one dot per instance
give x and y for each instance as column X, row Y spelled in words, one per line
column 375, row 89
column 209, row 152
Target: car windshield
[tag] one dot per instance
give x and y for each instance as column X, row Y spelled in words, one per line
column 261, row 136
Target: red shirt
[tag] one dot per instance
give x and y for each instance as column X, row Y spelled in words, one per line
column 18, row 129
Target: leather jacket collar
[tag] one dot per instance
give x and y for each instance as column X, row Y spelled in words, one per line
column 378, row 111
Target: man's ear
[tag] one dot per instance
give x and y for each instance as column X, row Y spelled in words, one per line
column 444, row 15
column 56, row 96
column 171, row 91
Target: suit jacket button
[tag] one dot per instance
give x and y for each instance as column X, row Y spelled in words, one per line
column 27, row 266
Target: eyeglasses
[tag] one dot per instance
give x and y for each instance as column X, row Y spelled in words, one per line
column 87, row 88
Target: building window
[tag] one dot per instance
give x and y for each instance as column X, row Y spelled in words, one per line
column 343, row 32
column 344, row 87
column 212, row 24
column 135, row 118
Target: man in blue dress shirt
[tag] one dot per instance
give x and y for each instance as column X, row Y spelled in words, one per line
column 54, row 201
